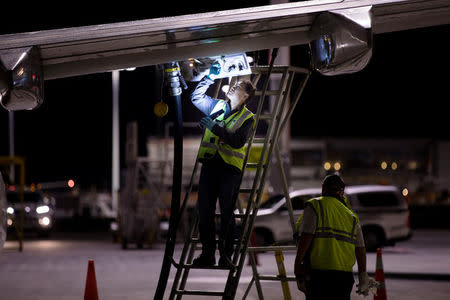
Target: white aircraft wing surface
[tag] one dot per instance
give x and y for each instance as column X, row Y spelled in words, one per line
column 93, row 49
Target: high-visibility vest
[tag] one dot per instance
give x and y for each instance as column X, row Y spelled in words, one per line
column 211, row 143
column 300, row 218
column 333, row 245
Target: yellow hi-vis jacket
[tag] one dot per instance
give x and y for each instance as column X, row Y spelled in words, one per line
column 211, row 143
column 300, row 218
column 333, row 246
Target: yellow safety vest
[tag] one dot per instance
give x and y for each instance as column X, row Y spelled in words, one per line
column 333, row 246
column 211, row 143
column 300, row 218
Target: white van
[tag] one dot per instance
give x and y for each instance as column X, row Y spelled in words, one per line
column 382, row 210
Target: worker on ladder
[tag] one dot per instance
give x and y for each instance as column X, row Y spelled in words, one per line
column 330, row 240
column 227, row 126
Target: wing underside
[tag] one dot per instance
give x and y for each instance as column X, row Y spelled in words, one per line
column 99, row 48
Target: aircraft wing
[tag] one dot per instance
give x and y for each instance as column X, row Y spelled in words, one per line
column 99, row 48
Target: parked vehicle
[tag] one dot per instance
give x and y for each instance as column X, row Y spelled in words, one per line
column 38, row 212
column 382, row 210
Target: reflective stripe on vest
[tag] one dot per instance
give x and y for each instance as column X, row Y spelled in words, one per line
column 226, row 151
column 210, row 142
column 333, row 247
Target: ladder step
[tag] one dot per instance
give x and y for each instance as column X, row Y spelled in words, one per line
column 196, row 240
column 254, row 165
column 199, row 293
column 215, row 267
column 235, row 215
column 260, row 140
column 265, row 117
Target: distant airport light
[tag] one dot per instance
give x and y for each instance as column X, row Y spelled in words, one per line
column 383, row 165
column 337, row 166
column 27, row 209
column 10, row 222
column 70, row 183
column 45, row 221
column 327, row 166
column 10, row 210
column 394, row 166
column 405, row 192
column 12, row 188
column 412, row 165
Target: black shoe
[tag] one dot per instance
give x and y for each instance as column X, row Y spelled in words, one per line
column 225, row 262
column 204, row 261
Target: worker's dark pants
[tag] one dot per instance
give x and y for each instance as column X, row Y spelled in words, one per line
column 215, row 183
column 333, row 285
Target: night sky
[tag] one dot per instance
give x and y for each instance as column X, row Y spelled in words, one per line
column 402, row 93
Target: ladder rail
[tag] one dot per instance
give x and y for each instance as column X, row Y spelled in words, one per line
column 277, row 150
column 190, row 248
column 249, row 146
column 263, row 155
column 256, row 277
column 187, row 246
column 232, row 281
column 262, row 159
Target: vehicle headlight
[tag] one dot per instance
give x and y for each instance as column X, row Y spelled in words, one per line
column 10, row 210
column 45, row 221
column 42, row 209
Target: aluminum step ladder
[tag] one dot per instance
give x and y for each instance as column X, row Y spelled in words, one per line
column 275, row 119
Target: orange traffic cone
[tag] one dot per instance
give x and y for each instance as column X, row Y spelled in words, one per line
column 379, row 276
column 91, row 293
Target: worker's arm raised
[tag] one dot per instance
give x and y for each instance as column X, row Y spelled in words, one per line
column 199, row 98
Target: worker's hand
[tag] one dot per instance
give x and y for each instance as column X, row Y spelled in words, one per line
column 301, row 284
column 301, row 277
column 207, row 122
column 214, row 70
column 366, row 284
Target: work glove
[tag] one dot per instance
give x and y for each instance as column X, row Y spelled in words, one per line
column 214, row 70
column 367, row 284
column 207, row 122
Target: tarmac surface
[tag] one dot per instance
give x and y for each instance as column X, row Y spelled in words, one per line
column 56, row 268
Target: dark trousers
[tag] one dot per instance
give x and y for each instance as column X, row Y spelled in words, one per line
column 329, row 285
column 223, row 183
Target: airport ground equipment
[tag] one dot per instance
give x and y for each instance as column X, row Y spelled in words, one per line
column 140, row 197
column 274, row 119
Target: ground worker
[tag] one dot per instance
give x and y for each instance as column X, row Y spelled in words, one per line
column 330, row 239
column 222, row 155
